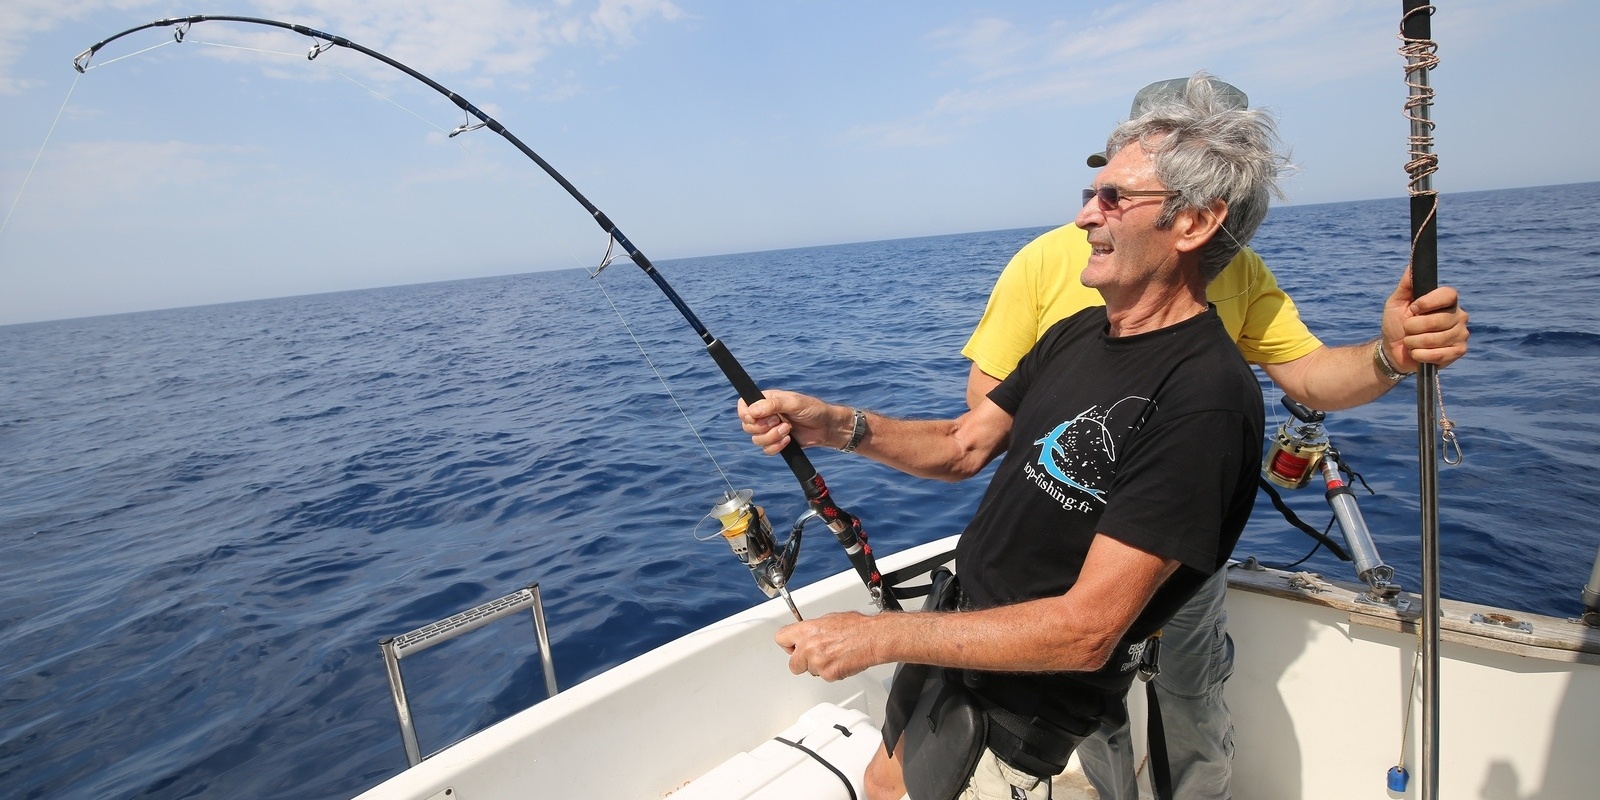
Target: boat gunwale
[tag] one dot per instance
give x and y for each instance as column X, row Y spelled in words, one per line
column 1557, row 639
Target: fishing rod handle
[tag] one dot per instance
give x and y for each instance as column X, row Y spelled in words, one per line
column 793, row 454
column 846, row 527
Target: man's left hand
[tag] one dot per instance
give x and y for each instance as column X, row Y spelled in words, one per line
column 831, row 647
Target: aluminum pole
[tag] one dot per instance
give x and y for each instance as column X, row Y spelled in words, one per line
column 1416, row 29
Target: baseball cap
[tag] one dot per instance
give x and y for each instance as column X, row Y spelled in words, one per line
column 1162, row 91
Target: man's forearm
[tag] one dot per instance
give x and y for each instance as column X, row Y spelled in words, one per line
column 949, row 450
column 1332, row 378
column 1077, row 631
column 1035, row 636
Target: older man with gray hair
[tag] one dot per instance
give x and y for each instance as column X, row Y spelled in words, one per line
column 1040, row 286
column 1130, row 434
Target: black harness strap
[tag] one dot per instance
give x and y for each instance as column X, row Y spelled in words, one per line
column 892, row 580
column 1156, row 738
column 1288, row 514
column 1160, row 767
column 848, row 787
column 1029, row 743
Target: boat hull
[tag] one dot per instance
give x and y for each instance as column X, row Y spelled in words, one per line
column 1320, row 683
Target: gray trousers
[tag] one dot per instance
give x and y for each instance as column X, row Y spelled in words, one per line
column 1196, row 659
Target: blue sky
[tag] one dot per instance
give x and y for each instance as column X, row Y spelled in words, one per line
column 230, row 167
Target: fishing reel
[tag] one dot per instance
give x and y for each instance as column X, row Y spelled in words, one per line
column 1297, row 453
column 749, row 534
column 1296, row 450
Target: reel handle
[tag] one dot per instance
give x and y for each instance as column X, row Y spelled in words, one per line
column 1303, row 413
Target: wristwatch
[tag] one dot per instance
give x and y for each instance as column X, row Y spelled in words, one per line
column 1380, row 358
column 858, row 431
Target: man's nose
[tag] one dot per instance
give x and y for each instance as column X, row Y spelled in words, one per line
column 1090, row 215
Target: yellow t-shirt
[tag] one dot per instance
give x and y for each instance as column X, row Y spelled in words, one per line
column 1041, row 287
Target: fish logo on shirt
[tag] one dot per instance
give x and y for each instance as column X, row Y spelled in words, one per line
column 1082, row 452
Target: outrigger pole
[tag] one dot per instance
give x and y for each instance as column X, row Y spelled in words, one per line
column 1416, row 32
column 845, row 527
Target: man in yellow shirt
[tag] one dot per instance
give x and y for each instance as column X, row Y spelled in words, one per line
column 1041, row 286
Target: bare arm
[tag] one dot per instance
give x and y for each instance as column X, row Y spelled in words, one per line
column 1431, row 329
column 1076, row 631
column 979, row 385
column 945, row 449
column 1331, row 378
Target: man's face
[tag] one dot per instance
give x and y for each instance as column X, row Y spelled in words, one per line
column 1128, row 251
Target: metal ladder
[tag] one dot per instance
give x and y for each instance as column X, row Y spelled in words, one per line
column 398, row 647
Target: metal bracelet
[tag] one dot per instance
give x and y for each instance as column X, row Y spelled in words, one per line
column 1386, row 367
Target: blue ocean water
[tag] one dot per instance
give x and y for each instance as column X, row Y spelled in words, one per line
column 210, row 516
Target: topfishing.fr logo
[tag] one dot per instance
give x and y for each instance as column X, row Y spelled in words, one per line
column 1078, row 458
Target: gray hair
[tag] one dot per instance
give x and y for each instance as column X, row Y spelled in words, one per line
column 1207, row 147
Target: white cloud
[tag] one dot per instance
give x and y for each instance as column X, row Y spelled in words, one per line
column 997, row 65
column 994, row 47
column 616, row 19
column 126, row 174
column 898, row 135
column 476, row 38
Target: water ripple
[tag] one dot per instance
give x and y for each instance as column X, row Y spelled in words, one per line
column 210, row 516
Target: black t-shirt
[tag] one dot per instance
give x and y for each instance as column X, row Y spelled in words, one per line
column 1152, row 439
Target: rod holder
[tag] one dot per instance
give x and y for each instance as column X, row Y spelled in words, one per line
column 1591, row 596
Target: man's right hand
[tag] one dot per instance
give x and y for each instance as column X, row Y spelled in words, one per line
column 772, row 421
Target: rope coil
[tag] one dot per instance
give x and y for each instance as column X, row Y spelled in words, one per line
column 1421, row 56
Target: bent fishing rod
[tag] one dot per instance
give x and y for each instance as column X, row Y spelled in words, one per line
column 744, row 525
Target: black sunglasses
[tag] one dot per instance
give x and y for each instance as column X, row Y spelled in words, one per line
column 1110, row 196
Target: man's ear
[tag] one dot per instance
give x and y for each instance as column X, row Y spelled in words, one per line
column 1196, row 226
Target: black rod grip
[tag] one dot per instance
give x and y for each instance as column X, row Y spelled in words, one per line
column 792, row 454
column 1418, row 25
column 1425, row 247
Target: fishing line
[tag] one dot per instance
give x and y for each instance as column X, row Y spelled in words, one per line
column 1398, row 774
column 317, row 50
column 130, row 55
column 1250, row 275
column 466, row 127
column 595, row 277
column 38, row 155
column 845, row 527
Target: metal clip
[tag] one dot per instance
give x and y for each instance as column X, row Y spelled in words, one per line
column 1451, row 443
column 1150, row 658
